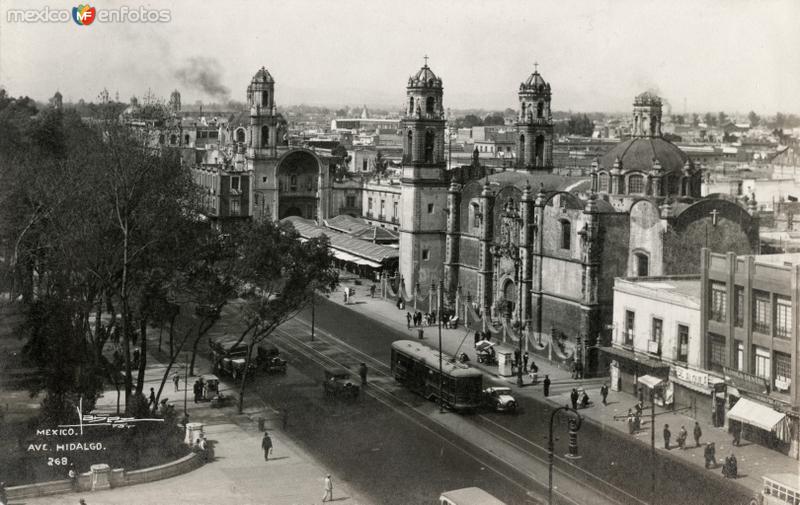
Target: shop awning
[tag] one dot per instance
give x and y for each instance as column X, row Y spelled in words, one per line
column 755, row 414
column 638, row 358
column 650, row 381
column 362, row 261
column 344, row 256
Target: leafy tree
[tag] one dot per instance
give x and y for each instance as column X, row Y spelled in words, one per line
column 468, row 121
column 494, row 119
column 710, row 119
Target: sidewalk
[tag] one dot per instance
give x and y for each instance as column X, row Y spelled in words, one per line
column 754, row 460
column 238, row 475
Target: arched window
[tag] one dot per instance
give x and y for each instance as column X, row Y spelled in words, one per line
column 265, row 98
column 539, row 151
column 186, row 139
column 173, row 139
column 264, row 136
column 411, row 105
column 566, row 234
column 522, row 149
column 410, row 145
column 293, row 183
column 430, row 103
column 540, row 109
column 240, row 135
column 635, row 184
column 429, row 142
column 523, row 110
column 602, row 183
column 475, row 215
column 642, row 264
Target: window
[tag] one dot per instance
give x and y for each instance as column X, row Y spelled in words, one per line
column 394, row 210
column 522, row 149
column 264, row 136
column 565, row 234
column 186, row 139
column 630, row 319
column 293, row 183
column 475, row 215
column 602, row 183
column 430, row 104
column 430, row 208
column 738, row 358
column 761, row 362
column 350, row 201
column 718, row 302
column 264, row 179
column 539, row 151
column 265, row 99
column 656, row 330
column 235, row 183
column 783, row 371
column 240, row 135
column 364, row 165
column 369, row 204
column 761, row 311
column 783, row 317
column 161, row 139
column 425, row 254
column 635, row 184
column 411, row 105
column 683, row 343
column 738, row 306
column 383, row 207
column 540, row 110
column 235, row 207
column 642, row 264
column 716, row 352
column 429, row 140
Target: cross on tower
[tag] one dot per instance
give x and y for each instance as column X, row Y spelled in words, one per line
column 426, row 60
column 535, row 66
column 714, row 216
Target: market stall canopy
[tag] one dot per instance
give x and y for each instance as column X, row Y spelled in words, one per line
column 755, row 414
column 483, row 345
column 650, row 381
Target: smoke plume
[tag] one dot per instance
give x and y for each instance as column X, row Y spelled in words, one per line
column 203, row 74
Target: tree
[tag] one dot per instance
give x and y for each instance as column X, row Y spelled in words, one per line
column 279, row 274
column 710, row 119
column 380, row 164
column 722, row 118
column 494, row 119
column 468, row 121
column 695, row 119
column 753, row 118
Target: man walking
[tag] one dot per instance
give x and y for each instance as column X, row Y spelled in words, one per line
column 604, row 393
column 266, row 444
column 362, row 372
column 176, row 379
column 546, row 385
column 697, row 434
column 328, row 496
column 372, row 291
column 525, row 362
column 573, row 396
column 152, row 402
column 196, row 389
column 408, row 319
column 667, row 436
column 682, row 437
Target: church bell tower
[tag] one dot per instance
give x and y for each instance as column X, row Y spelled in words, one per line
column 534, row 124
column 423, row 185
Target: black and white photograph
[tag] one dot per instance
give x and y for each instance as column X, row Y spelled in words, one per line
column 368, row 252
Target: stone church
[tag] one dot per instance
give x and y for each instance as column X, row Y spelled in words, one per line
column 541, row 250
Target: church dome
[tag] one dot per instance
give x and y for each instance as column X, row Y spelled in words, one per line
column 425, row 78
column 263, row 76
column 535, row 83
column 647, row 98
column 639, row 154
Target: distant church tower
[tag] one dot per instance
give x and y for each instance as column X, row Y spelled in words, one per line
column 263, row 119
column 534, row 124
column 57, row 101
column 423, row 187
column 647, row 115
column 175, row 102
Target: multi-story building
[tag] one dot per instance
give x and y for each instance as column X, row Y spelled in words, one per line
column 749, row 328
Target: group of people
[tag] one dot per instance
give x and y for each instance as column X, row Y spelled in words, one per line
column 420, row 319
column 579, row 399
column 204, row 390
column 682, row 436
column 204, row 448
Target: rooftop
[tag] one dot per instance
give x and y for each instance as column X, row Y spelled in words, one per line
column 687, row 286
column 344, row 243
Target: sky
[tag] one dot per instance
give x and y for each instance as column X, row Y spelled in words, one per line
column 731, row 55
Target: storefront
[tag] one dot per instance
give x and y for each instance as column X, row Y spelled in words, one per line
column 626, row 367
column 703, row 395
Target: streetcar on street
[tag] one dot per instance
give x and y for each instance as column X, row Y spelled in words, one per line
column 416, row 366
column 468, row 496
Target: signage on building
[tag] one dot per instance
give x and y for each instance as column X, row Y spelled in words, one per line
column 745, row 381
column 691, row 376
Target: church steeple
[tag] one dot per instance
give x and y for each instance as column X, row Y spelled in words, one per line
column 534, row 123
column 647, row 115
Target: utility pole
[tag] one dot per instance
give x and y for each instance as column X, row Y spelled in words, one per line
column 519, row 311
column 652, row 444
column 439, row 320
column 185, row 382
column 575, row 426
column 313, row 313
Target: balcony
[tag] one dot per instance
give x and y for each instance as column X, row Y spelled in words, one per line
column 653, row 347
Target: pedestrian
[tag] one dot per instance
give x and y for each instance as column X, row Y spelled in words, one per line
column 573, row 396
column 637, row 422
column 517, row 358
column 362, row 372
column 604, row 393
column 419, row 318
column 202, row 445
column 266, row 444
column 697, row 434
column 682, row 438
column 579, row 370
column 176, row 379
column 630, row 422
column 573, row 370
column 372, row 291
column 525, row 362
column 408, row 319
column 667, row 436
column 346, row 295
column 546, row 385
column 737, row 434
column 328, row 496
column 730, row 469
column 197, row 389
column 709, row 453
column 152, row 402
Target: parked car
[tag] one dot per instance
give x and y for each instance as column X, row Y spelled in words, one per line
column 229, row 356
column 499, row 399
column 338, row 384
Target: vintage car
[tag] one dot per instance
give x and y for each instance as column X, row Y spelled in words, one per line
column 229, row 356
column 499, row 399
column 268, row 358
column 338, row 384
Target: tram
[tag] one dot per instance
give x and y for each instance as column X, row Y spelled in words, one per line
column 416, row 366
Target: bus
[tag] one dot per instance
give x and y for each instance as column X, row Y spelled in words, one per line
column 416, row 366
column 468, row 496
column 779, row 489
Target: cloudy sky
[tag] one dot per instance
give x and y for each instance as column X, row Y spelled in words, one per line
column 732, row 55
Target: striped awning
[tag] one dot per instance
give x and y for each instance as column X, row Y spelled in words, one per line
column 756, row 414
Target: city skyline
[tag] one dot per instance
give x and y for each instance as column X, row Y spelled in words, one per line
column 596, row 56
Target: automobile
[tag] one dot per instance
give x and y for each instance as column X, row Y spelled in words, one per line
column 338, row 384
column 229, row 356
column 268, row 358
column 499, row 398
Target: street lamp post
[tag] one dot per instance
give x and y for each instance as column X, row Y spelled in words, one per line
column 439, row 320
column 185, row 383
column 576, row 425
column 313, row 313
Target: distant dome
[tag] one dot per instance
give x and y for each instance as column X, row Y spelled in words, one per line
column 425, row 78
column 263, row 76
column 535, row 84
column 647, row 98
column 637, row 154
